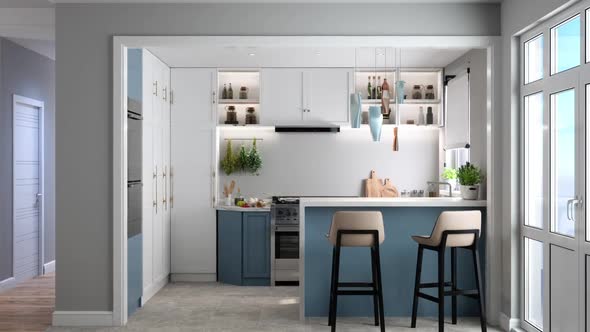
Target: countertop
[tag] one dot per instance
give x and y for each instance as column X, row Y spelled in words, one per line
column 241, row 209
column 390, row 202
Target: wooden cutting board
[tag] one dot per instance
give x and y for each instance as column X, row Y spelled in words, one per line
column 389, row 190
column 373, row 185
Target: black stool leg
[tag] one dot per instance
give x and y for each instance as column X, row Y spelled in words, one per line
column 480, row 294
column 441, row 289
column 335, row 287
column 375, row 289
column 379, row 286
column 332, row 284
column 454, row 283
column 417, row 285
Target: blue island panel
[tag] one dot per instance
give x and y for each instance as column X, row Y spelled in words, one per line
column 398, row 264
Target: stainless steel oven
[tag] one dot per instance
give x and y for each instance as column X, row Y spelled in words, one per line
column 285, row 241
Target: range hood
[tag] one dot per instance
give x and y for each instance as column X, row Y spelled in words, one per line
column 307, row 128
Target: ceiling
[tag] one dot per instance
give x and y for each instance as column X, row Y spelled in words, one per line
column 50, row 3
column 196, row 55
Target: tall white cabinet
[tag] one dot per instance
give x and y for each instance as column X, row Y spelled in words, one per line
column 193, row 150
column 156, row 170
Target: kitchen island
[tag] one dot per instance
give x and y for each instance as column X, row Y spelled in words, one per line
column 402, row 218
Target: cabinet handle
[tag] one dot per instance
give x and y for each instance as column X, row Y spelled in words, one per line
column 171, row 199
column 213, row 97
column 155, row 179
column 155, row 88
column 165, row 93
column 165, row 179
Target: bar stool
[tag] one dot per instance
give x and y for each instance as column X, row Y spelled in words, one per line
column 357, row 229
column 453, row 229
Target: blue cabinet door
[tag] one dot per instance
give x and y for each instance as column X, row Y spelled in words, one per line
column 134, row 273
column 256, row 247
column 229, row 247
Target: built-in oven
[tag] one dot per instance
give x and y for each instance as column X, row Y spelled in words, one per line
column 285, row 241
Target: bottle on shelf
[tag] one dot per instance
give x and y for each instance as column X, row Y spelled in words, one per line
column 429, row 116
column 224, row 92
column 230, row 92
column 385, row 98
column 369, row 89
column 374, row 89
column 379, row 90
column 421, row 118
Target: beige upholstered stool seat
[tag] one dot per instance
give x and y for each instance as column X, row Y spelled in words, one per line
column 356, row 220
column 452, row 221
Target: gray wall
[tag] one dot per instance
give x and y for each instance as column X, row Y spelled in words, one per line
column 476, row 60
column 84, row 99
column 29, row 74
column 516, row 16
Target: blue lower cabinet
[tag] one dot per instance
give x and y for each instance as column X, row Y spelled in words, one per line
column 243, row 248
column 256, row 248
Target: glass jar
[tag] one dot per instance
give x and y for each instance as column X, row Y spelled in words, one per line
column 231, row 116
column 243, row 93
column 429, row 94
column 251, row 116
column 417, row 92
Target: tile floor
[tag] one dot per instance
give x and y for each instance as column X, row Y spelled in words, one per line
column 214, row 307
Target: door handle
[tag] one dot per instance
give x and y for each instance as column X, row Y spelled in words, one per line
column 573, row 203
column 171, row 199
column 38, row 198
column 568, row 208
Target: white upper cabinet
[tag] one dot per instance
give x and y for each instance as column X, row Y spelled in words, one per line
column 281, row 95
column 294, row 95
column 326, row 94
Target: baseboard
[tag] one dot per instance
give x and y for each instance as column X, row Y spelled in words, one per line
column 509, row 324
column 152, row 289
column 49, row 267
column 193, row 277
column 7, row 283
column 83, row 318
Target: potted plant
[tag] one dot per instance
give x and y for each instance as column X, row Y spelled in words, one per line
column 470, row 177
column 450, row 175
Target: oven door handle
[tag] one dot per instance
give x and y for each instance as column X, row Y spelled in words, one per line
column 286, row 228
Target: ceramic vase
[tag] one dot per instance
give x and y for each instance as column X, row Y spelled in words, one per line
column 375, row 122
column 355, row 110
column 399, row 90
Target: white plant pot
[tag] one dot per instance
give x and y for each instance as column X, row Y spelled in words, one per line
column 470, row 192
column 229, row 201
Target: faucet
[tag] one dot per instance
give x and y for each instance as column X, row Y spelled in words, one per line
column 443, row 183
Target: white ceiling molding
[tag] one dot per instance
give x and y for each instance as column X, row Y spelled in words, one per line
column 276, row 1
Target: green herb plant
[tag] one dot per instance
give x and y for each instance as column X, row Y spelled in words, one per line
column 469, row 175
column 449, row 173
column 254, row 159
column 229, row 162
column 242, row 159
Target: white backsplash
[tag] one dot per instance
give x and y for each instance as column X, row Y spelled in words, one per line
column 334, row 164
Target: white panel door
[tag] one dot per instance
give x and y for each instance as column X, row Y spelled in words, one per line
column 27, row 188
column 281, row 96
column 192, row 128
column 326, row 94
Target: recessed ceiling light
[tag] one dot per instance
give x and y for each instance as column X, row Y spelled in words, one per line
column 251, row 54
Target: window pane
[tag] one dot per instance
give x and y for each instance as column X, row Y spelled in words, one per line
column 533, row 282
column 533, row 59
column 565, row 45
column 535, row 164
column 563, row 106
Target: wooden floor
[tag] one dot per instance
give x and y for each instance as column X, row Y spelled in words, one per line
column 28, row 307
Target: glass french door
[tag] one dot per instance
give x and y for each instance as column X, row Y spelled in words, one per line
column 554, row 232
